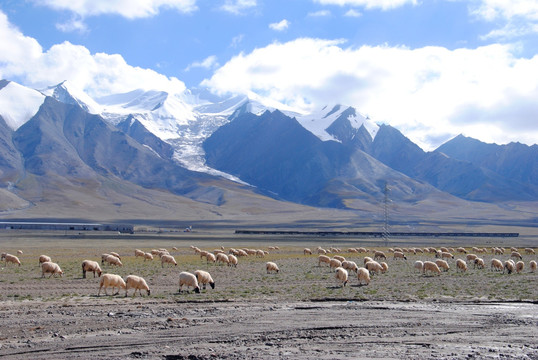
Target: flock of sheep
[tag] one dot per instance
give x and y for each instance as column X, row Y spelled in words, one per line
column 373, row 263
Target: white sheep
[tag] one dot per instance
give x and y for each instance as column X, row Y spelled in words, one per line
column 385, row 267
column 189, row 280
column 19, row 252
column 103, row 258
column 93, row 266
column 307, row 251
column 138, row 253
column 335, row 263
column 112, row 260
column 509, row 266
column 418, row 265
column 204, row 278
column 233, row 260
column 496, row 265
column 399, row 255
column 323, row 259
column 461, row 265
column 260, row 253
column 374, row 267
column 44, row 258
column 339, row 258
column 115, row 254
column 532, row 265
column 529, row 251
column 10, row 259
column 442, row 264
column 461, row 250
column 479, row 263
column 271, row 266
column 168, row 259
column 210, row 257
column 51, row 268
column 367, row 259
column 341, row 275
column 516, row 255
column 446, row 255
column 379, row 255
column 520, row 265
column 136, row 283
column 113, row 281
column 350, row 265
column 223, row 258
column 148, row 256
column 363, row 275
column 430, row 266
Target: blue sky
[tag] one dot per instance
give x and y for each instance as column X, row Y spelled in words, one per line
column 433, row 69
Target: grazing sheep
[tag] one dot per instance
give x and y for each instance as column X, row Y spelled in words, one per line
column 367, row 259
column 10, row 259
column 271, row 266
column 335, row 263
column 532, row 265
column 241, row 252
column 339, row 258
column 399, row 255
column 322, row 251
column 362, row 250
column 148, row 256
column 307, row 251
column 103, row 258
column 443, row 249
column 446, row 255
column 509, row 266
column 233, row 260
column 520, row 265
column 51, row 268
column 44, row 258
column 112, row 260
column 529, row 251
column 210, row 258
column 260, row 253
column 113, row 281
column 350, row 265
column 442, row 264
column 513, row 249
column 461, row 250
column 168, row 259
column 204, row 278
column 189, row 280
column 19, row 252
column 136, row 283
column 385, row 267
column 479, row 263
column 496, row 265
column 115, row 254
column 363, row 275
column 418, row 265
column 223, row 258
column 378, row 255
column 323, row 259
column 431, row 267
column 516, row 255
column 352, row 250
column 203, row 254
column 174, row 248
column 93, row 266
column 374, row 267
column 461, row 265
column 471, row 257
column 139, row 253
column 341, row 275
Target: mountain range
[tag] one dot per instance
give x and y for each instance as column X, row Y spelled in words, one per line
column 65, row 153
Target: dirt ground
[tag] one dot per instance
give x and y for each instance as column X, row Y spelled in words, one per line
column 300, row 313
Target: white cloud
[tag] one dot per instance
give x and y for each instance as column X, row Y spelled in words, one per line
column 237, row 40
column 369, row 4
column 22, row 59
column 208, row 63
column 320, row 13
column 428, row 93
column 280, row 26
column 75, row 24
column 130, row 9
column 353, row 13
column 238, row 6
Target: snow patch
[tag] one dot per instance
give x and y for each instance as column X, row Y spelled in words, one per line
column 18, row 104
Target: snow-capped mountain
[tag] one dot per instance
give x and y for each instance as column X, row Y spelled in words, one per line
column 18, row 104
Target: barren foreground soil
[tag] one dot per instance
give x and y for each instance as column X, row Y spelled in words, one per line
column 300, row 313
